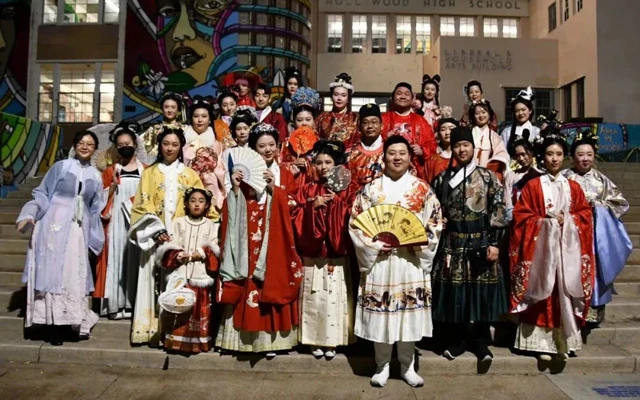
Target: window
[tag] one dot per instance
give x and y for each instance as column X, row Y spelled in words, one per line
column 356, row 103
column 379, row 34
column 490, row 27
column 403, row 35
column 83, row 93
column 553, row 15
column 467, row 26
column 447, row 26
column 423, row 35
column 80, row 11
column 510, row 28
column 565, row 11
column 566, row 102
column 334, row 31
column 45, row 94
column 578, row 5
column 580, row 97
column 358, row 33
column 542, row 105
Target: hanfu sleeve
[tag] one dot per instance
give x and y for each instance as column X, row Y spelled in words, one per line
column 36, row 208
column 337, row 220
column 309, row 223
column 96, row 232
column 613, row 198
column 367, row 250
column 167, row 253
column 145, row 223
column 427, row 139
column 432, row 221
column 497, row 210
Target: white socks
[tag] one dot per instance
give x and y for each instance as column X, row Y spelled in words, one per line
column 406, row 356
column 383, row 353
column 381, row 376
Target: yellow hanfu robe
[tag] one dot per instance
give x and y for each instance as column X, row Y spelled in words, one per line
column 160, row 199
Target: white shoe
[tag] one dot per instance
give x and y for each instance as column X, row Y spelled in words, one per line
column 329, row 354
column 381, row 377
column 544, row 357
column 271, row 355
column 317, row 352
column 126, row 314
column 412, row 378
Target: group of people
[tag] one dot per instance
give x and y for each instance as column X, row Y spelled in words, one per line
column 199, row 258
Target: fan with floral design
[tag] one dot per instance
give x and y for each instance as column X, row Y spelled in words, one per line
column 302, row 140
column 339, row 178
column 393, row 225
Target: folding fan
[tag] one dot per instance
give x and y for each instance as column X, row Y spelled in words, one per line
column 251, row 164
column 393, row 225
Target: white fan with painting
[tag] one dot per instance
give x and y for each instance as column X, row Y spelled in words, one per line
column 251, row 164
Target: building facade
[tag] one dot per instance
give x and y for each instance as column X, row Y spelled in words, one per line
column 572, row 52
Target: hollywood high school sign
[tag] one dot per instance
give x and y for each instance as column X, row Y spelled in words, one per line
column 502, row 8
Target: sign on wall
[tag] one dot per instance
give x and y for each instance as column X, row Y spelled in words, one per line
column 501, row 8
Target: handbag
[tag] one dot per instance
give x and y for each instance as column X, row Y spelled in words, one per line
column 177, row 298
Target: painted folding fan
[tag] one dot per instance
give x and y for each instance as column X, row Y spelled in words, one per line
column 251, row 164
column 339, row 178
column 393, row 225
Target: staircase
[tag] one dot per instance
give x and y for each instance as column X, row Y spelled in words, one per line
column 614, row 348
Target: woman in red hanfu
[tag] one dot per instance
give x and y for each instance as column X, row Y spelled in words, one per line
column 439, row 162
column 401, row 120
column 552, row 258
column 340, row 123
column 260, row 271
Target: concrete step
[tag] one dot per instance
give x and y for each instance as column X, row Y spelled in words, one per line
column 630, row 273
column 8, row 215
column 12, row 202
column 13, row 246
column 12, row 262
column 635, row 240
column 8, row 231
column 632, row 227
column 621, row 334
column 25, row 194
column 116, row 352
column 623, row 309
column 10, row 279
column 628, row 288
column 617, row 166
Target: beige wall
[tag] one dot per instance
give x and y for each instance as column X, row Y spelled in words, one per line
column 618, row 60
column 377, row 73
column 532, row 62
column 577, row 48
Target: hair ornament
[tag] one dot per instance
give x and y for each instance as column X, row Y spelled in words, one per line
column 525, row 94
column 343, row 80
column 306, row 96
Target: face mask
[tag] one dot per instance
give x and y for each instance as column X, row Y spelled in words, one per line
column 127, row 151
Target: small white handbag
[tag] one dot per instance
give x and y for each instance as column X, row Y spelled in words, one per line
column 177, row 299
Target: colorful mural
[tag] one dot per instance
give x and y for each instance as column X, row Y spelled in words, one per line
column 14, row 47
column 187, row 46
column 28, row 148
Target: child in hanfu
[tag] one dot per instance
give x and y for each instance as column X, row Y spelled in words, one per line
column 192, row 253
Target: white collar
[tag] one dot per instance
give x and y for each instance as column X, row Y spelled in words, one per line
column 264, row 112
column 404, row 114
column 176, row 166
column 374, row 146
column 462, row 174
column 443, row 153
column 526, row 125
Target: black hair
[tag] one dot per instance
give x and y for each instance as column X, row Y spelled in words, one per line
column 242, row 116
column 333, row 148
column 130, row 128
column 171, row 96
column 514, row 124
column 346, row 78
column 473, row 83
column 289, row 73
column 79, row 135
column 528, row 147
column 484, row 104
column 224, row 94
column 551, row 135
column 584, row 137
column 166, row 131
column 435, row 80
column 303, row 107
column 208, row 196
column 261, row 86
column 260, row 130
column 200, row 102
column 395, row 139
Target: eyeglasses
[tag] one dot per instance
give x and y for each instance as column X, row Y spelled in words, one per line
column 86, row 144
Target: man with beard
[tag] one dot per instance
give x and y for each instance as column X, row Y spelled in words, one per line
column 468, row 282
column 265, row 114
column 401, row 120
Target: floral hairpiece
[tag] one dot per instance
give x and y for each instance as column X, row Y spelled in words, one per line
column 587, row 136
column 446, row 112
column 263, row 127
column 481, row 101
column 207, row 193
column 125, row 126
column 526, row 94
column 343, row 80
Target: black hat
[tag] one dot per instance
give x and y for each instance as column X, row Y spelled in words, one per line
column 370, row 110
column 405, row 85
column 461, row 133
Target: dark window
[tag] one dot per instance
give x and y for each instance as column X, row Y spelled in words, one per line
column 553, row 17
column 542, row 105
column 580, row 97
column 566, row 102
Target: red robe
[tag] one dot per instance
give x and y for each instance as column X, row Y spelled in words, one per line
column 286, row 160
column 277, row 121
column 365, row 165
column 322, row 231
column 435, row 165
column 528, row 212
column 246, row 101
column 194, row 325
column 416, row 130
column 341, row 126
column 277, row 296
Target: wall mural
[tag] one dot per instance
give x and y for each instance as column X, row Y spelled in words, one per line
column 14, row 47
column 188, row 46
column 28, row 148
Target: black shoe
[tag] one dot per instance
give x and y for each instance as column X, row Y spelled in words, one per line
column 455, row 351
column 55, row 336
column 483, row 353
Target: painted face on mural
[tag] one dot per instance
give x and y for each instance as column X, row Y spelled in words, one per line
column 188, row 42
column 7, row 34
